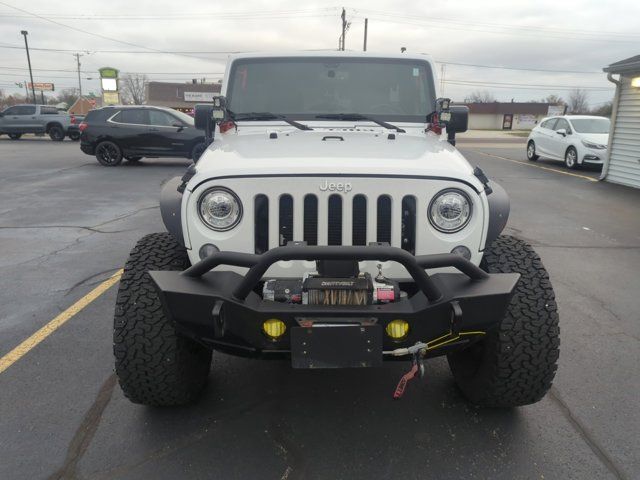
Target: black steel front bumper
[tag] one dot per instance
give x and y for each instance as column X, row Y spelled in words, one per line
column 222, row 308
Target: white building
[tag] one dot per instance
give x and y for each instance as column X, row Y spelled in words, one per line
column 623, row 163
column 510, row 115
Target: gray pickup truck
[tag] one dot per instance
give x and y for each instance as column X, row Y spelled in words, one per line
column 40, row 119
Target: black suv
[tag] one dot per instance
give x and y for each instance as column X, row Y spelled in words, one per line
column 132, row 132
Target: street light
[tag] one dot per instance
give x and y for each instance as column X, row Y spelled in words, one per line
column 26, row 45
column 26, row 91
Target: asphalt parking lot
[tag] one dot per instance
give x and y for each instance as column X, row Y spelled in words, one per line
column 67, row 224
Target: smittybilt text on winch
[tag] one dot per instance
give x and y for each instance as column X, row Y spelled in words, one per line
column 332, row 222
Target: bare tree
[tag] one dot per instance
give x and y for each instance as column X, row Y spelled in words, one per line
column 603, row 110
column 578, row 101
column 554, row 99
column 133, row 88
column 68, row 96
column 480, row 96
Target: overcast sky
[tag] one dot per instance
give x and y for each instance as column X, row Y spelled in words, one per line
column 561, row 36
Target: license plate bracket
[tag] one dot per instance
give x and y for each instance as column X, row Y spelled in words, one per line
column 336, row 346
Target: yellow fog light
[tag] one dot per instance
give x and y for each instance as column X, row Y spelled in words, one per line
column 397, row 329
column 274, row 328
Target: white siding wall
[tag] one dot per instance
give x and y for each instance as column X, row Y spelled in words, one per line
column 485, row 121
column 624, row 163
column 493, row 121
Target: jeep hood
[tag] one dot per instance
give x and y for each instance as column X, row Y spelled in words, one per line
column 336, row 151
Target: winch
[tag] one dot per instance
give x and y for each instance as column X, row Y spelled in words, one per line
column 334, row 283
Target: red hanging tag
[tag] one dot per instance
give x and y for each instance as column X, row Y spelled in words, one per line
column 402, row 384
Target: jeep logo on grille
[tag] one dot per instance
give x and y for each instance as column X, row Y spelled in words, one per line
column 345, row 187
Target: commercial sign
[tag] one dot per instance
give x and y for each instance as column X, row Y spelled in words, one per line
column 199, row 96
column 41, row 86
column 110, row 98
column 556, row 110
column 108, row 72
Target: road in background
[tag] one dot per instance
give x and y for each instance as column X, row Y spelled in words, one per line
column 67, row 224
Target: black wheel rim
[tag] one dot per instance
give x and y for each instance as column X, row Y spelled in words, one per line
column 108, row 154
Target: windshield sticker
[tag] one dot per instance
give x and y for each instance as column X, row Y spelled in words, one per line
column 416, row 72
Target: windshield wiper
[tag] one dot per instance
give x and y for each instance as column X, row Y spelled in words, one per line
column 267, row 116
column 358, row 116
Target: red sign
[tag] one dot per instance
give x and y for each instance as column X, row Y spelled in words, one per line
column 41, row 86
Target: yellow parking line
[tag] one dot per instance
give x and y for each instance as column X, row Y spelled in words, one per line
column 28, row 344
column 531, row 164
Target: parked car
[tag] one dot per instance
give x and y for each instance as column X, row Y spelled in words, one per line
column 132, row 132
column 17, row 120
column 573, row 139
column 73, row 132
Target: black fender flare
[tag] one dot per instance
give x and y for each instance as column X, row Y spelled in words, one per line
column 499, row 207
column 171, row 208
column 54, row 124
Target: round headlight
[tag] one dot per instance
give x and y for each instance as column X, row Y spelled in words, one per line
column 220, row 209
column 450, row 211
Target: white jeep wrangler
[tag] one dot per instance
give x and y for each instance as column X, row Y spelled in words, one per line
column 332, row 222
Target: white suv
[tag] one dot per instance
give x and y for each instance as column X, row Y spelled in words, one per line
column 573, row 139
column 331, row 223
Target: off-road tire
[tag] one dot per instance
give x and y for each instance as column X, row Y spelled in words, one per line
column 74, row 136
column 514, row 365
column 531, row 151
column 154, row 364
column 56, row 133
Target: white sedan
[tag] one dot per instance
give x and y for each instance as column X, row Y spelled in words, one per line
column 573, row 139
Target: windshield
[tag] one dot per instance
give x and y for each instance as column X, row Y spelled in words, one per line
column 591, row 125
column 304, row 87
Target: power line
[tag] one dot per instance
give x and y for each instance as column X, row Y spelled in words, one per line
column 462, row 84
column 66, row 50
column 475, row 65
column 91, row 72
column 244, row 15
column 524, row 84
column 468, row 27
column 80, row 29
column 518, row 28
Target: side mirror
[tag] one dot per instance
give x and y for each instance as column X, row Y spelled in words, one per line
column 179, row 126
column 206, row 115
column 456, row 120
column 459, row 121
column 562, row 132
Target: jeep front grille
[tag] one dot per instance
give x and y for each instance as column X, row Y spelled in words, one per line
column 339, row 216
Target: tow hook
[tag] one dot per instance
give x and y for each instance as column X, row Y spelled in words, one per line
column 417, row 353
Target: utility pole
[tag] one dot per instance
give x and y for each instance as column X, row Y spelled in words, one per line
column 26, row 44
column 366, row 28
column 77, row 55
column 443, row 71
column 344, row 28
